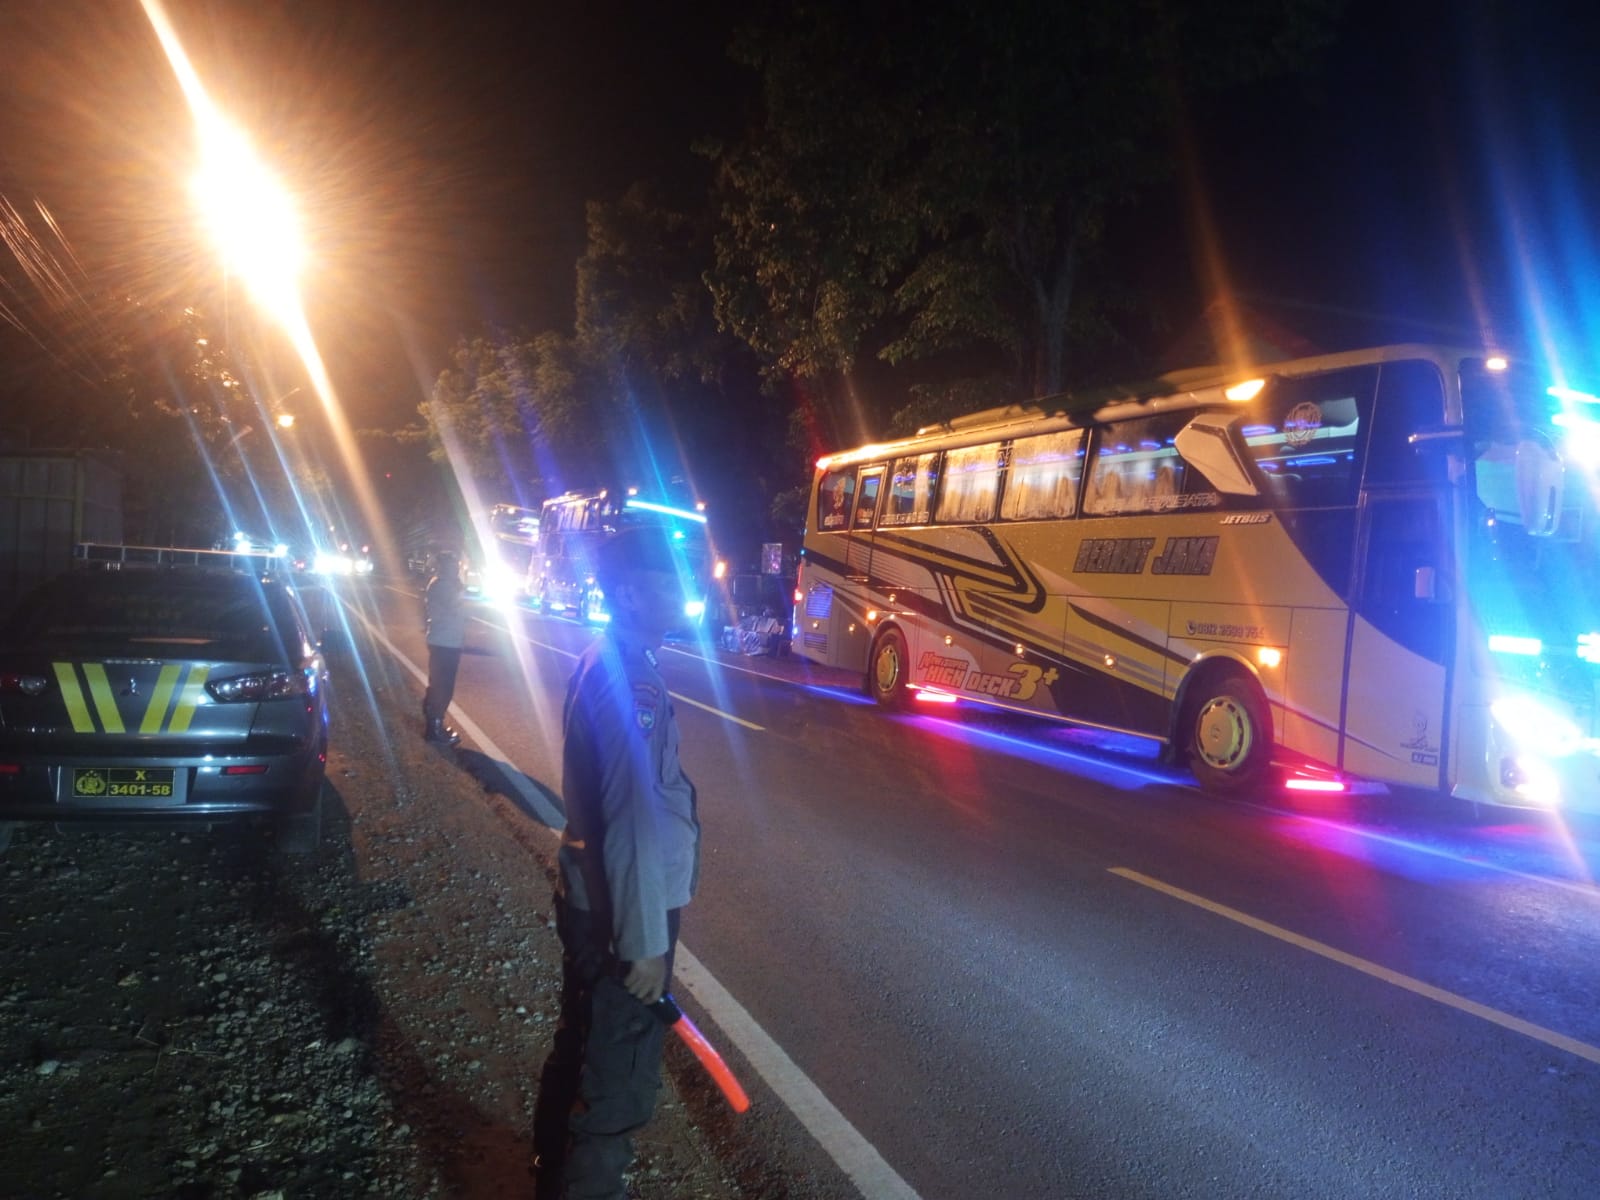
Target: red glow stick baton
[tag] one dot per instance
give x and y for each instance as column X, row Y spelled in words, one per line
column 670, row 1015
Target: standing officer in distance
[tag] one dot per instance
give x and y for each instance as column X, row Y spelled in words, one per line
column 446, row 631
column 629, row 862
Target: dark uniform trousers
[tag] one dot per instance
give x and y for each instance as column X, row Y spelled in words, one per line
column 599, row 1085
column 443, row 663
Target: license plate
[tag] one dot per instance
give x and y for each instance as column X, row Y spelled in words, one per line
column 122, row 783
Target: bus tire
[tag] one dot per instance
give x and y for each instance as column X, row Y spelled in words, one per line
column 889, row 669
column 1227, row 734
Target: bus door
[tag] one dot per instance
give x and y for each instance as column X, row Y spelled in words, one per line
column 1402, row 636
column 858, row 557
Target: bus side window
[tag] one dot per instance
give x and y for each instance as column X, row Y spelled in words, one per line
column 1042, row 476
column 867, row 508
column 910, row 491
column 1410, row 397
column 1306, row 436
column 1138, row 470
column 971, row 481
column 836, row 499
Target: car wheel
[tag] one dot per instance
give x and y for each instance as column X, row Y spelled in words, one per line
column 300, row 833
column 1228, row 735
column 889, row 669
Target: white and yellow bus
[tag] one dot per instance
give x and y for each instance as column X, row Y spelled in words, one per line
column 1381, row 565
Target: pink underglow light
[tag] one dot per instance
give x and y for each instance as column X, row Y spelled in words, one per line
column 1300, row 783
column 931, row 696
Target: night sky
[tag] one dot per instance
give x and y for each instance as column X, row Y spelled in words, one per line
column 1437, row 172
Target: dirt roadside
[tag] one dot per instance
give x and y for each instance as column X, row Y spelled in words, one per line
column 189, row 1015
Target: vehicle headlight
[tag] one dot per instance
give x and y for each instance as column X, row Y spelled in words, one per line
column 694, row 608
column 1536, row 726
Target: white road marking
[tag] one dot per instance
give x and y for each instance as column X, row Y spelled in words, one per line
column 1493, row 1015
column 854, row 1155
column 716, row 712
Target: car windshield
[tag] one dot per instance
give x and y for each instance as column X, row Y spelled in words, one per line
column 156, row 614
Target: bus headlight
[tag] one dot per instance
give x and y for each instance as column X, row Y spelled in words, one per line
column 1536, row 727
column 694, row 609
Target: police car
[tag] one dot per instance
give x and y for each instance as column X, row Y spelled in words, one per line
column 157, row 686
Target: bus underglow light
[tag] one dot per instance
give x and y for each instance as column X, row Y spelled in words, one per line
column 1504, row 643
column 1303, row 783
column 930, row 696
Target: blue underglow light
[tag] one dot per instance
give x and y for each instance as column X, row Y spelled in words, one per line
column 1504, row 643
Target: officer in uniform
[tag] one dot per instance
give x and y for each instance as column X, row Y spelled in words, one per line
column 629, row 862
column 446, row 632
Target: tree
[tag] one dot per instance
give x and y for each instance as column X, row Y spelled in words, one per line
column 933, row 183
column 644, row 389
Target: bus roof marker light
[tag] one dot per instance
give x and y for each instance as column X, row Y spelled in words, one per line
column 1504, row 643
column 1496, row 362
column 666, row 510
column 1248, row 390
column 1572, row 395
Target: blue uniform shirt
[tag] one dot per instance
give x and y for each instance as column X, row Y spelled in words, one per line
column 631, row 847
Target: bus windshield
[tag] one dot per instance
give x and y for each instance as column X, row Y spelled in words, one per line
column 1533, row 588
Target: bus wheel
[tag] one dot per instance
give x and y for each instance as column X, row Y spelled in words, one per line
column 1229, row 736
column 888, row 668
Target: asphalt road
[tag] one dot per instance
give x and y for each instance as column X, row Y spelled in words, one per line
column 969, row 955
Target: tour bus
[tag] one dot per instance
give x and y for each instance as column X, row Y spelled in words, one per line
column 1376, row 566
column 510, row 537
column 561, row 577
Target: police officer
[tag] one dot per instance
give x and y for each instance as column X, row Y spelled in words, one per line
column 446, row 631
column 629, row 862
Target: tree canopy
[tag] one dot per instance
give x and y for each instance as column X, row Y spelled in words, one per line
column 932, row 184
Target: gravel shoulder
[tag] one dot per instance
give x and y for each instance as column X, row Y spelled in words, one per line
column 190, row 1014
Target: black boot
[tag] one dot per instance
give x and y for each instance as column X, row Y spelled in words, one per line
column 438, row 731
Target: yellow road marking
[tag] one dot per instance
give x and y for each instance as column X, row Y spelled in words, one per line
column 104, row 702
column 1505, row 1020
column 193, row 690
column 159, row 699
column 72, row 694
column 717, row 712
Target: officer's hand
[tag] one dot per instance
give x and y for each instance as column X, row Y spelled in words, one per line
column 646, row 979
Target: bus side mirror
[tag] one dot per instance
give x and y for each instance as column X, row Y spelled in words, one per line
column 1207, row 444
column 1540, row 481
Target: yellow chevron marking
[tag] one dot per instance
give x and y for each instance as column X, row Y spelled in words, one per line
column 193, row 692
column 159, row 699
column 104, row 702
column 72, row 694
